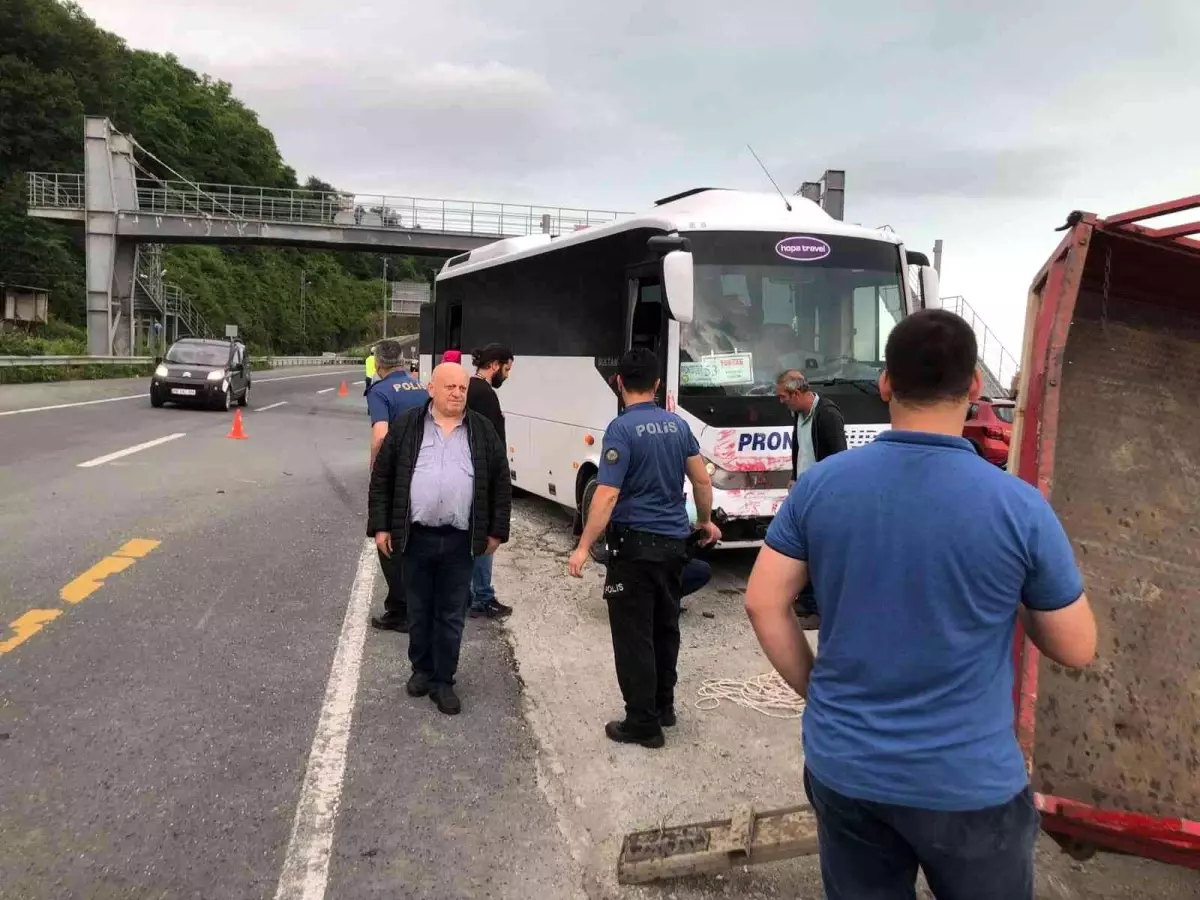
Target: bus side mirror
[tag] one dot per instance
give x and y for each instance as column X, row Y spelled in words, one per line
column 679, row 285
column 930, row 298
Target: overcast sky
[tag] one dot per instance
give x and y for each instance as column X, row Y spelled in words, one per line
column 976, row 122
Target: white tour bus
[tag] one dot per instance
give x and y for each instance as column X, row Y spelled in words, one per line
column 728, row 288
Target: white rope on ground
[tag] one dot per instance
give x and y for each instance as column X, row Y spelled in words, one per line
column 768, row 694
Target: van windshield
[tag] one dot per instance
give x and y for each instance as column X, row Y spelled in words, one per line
column 198, row 355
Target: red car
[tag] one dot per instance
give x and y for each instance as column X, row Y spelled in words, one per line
column 989, row 428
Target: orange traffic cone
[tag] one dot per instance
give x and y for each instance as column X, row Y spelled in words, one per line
column 342, row 391
column 236, row 433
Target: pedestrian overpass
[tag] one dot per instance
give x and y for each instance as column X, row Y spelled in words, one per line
column 121, row 205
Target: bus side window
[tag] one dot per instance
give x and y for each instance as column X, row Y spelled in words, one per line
column 646, row 330
column 454, row 329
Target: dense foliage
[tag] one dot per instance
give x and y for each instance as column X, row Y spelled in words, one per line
column 55, row 66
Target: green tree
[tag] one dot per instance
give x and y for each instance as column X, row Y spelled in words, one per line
column 56, row 66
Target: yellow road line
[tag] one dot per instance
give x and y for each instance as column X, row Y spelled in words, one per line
column 93, row 579
column 27, row 626
column 80, row 589
column 137, row 548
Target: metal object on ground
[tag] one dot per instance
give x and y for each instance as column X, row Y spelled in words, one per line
column 1106, row 430
column 746, row 838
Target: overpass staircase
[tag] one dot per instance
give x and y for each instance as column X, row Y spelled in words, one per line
column 156, row 300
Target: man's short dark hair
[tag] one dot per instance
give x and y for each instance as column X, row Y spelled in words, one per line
column 486, row 355
column 639, row 370
column 931, row 357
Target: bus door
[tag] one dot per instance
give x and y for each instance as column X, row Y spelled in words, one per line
column 647, row 320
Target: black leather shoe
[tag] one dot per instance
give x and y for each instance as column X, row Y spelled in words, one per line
column 666, row 718
column 494, row 610
column 388, row 622
column 447, row 701
column 418, row 685
column 619, row 732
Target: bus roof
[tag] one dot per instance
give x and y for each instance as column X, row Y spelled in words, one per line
column 709, row 209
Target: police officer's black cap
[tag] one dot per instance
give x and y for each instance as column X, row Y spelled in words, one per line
column 388, row 353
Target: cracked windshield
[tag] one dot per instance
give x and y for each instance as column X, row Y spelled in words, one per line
column 754, row 320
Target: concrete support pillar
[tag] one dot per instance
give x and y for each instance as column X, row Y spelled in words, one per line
column 834, row 197
column 109, row 187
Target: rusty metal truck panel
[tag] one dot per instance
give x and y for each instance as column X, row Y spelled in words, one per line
column 1110, row 432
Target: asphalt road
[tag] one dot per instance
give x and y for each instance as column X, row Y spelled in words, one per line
column 166, row 697
column 192, row 705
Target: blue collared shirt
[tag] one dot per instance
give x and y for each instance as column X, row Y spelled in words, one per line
column 910, row 701
column 393, row 395
column 443, row 481
column 645, row 456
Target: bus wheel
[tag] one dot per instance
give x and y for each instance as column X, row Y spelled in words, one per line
column 599, row 551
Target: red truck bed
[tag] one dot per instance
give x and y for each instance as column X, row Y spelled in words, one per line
column 1109, row 431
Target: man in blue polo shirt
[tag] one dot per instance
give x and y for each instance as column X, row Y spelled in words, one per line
column 391, row 393
column 923, row 557
column 647, row 452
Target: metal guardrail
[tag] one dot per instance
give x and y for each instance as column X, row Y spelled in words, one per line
column 51, row 190
column 275, row 362
column 996, row 359
column 298, row 206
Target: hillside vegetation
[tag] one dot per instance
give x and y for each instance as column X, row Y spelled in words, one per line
column 56, row 66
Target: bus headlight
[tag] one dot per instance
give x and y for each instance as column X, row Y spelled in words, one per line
column 725, row 480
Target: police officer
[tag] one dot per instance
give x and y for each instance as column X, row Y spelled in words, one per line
column 393, row 392
column 639, row 501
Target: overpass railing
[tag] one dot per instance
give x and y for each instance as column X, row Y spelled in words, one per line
column 50, row 190
column 298, row 206
column 997, row 361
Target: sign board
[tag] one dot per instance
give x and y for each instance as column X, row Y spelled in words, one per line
column 231, row 331
column 409, row 296
column 21, row 304
column 718, row 370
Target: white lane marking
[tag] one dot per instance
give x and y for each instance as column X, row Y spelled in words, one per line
column 272, row 406
column 137, row 448
column 359, row 383
column 33, row 409
column 305, row 872
column 326, row 391
column 309, row 375
column 17, row 412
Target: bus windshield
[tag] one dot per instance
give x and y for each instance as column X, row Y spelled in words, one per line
column 759, row 311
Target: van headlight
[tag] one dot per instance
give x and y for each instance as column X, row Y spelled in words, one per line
column 161, row 372
column 218, row 375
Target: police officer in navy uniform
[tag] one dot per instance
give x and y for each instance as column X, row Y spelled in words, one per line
column 640, row 504
column 391, row 393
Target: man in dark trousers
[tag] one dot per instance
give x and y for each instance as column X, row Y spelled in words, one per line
column 392, row 392
column 925, row 557
column 493, row 364
column 644, row 458
column 440, row 496
column 818, row 432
